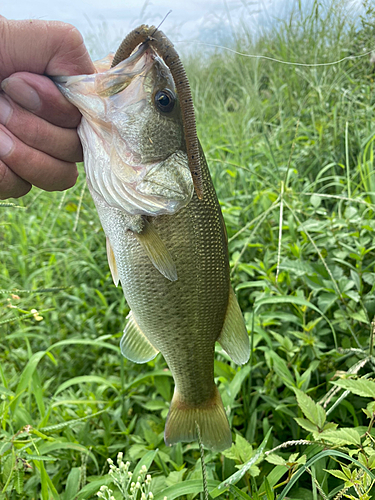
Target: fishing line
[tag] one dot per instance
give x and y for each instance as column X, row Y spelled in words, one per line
column 162, row 21
column 290, row 63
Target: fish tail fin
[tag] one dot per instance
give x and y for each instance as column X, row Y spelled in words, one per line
column 211, row 418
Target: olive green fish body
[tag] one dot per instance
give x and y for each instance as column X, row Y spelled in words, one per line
column 182, row 319
column 167, row 246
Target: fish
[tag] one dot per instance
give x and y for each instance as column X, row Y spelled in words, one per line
column 165, row 233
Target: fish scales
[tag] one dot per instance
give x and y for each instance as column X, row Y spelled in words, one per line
column 184, row 318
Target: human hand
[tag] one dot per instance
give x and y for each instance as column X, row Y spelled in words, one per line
column 39, row 144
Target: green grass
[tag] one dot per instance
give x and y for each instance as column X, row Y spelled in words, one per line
column 290, row 149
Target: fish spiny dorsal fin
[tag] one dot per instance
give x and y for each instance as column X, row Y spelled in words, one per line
column 134, row 344
column 157, row 251
column 112, row 263
column 234, row 338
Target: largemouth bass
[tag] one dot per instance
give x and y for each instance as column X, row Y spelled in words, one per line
column 166, row 246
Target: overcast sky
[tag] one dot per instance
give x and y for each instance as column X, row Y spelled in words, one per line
column 105, row 22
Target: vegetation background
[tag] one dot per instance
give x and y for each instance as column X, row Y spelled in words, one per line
column 291, row 151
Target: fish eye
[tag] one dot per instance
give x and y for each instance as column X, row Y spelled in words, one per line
column 164, row 100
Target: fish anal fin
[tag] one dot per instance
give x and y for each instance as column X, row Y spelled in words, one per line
column 134, row 344
column 157, row 251
column 112, row 262
column 213, row 424
column 234, row 338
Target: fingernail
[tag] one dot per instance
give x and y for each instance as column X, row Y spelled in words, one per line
column 6, row 144
column 5, row 110
column 21, row 93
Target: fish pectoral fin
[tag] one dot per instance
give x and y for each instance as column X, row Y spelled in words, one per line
column 157, row 251
column 112, row 263
column 234, row 338
column 135, row 345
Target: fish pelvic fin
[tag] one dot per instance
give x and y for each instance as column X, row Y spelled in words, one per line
column 234, row 338
column 112, row 263
column 210, row 416
column 134, row 344
column 157, row 251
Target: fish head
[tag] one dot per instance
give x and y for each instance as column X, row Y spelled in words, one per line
column 132, row 134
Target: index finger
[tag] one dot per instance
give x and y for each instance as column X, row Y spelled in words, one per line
column 43, row 47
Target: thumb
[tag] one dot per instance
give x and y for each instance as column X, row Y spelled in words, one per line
column 44, row 47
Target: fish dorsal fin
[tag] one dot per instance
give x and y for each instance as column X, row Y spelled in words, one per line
column 112, row 262
column 157, row 251
column 135, row 345
column 234, row 338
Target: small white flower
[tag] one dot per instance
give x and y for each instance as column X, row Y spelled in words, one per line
column 130, row 474
column 137, row 485
column 144, row 469
column 110, row 461
column 150, row 496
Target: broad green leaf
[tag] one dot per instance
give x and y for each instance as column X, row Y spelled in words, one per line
column 234, row 478
column 26, row 376
column 143, row 378
column 274, row 459
column 360, row 387
column 240, row 494
column 269, row 491
column 44, row 482
column 306, row 424
column 93, row 343
column 312, row 411
column 72, row 483
column 275, row 475
column 342, row 437
column 146, row 461
column 46, row 448
column 175, row 477
column 193, row 486
column 337, row 473
column 85, row 379
column 90, row 489
column 281, row 368
column 241, row 450
column 235, row 385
